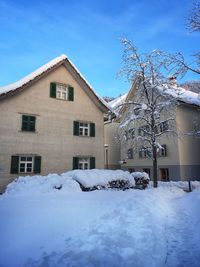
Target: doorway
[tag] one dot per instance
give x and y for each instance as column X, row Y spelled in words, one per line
column 164, row 174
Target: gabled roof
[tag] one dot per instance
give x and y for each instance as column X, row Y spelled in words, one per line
column 115, row 103
column 28, row 80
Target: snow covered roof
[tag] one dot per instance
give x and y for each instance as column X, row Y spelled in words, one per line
column 184, row 95
column 115, row 104
column 117, row 101
column 32, row 76
column 180, row 93
column 40, row 72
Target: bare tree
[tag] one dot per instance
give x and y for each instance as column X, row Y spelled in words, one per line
column 151, row 113
column 193, row 20
column 177, row 61
column 193, row 86
column 178, row 65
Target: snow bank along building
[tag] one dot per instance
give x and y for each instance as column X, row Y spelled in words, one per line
column 51, row 121
column 180, row 157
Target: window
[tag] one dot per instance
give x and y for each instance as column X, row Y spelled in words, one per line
column 164, row 174
column 84, row 129
column 142, row 153
column 144, row 130
column 130, row 153
column 28, row 123
column 25, row 164
column 130, row 134
column 163, row 151
column 83, row 162
column 145, row 152
column 61, row 91
column 131, row 170
column 136, row 111
column 163, row 126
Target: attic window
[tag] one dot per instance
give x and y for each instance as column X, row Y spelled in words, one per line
column 62, row 91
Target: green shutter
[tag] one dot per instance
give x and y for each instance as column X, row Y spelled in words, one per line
column 75, row 163
column 76, row 128
column 92, row 129
column 70, row 93
column 28, row 123
column 37, row 164
column 53, row 90
column 92, row 163
column 24, row 122
column 14, row 164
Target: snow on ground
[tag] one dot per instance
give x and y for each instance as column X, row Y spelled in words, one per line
column 153, row 227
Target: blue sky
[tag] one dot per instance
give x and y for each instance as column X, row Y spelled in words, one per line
column 88, row 32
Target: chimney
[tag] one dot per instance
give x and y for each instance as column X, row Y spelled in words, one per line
column 172, row 80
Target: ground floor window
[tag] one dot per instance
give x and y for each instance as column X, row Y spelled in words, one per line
column 25, row 164
column 83, row 162
column 131, row 170
column 164, row 174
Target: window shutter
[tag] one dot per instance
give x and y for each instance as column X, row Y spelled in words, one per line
column 71, row 93
column 76, row 128
column 24, row 122
column 92, row 129
column 92, row 163
column 14, row 164
column 28, row 123
column 32, row 123
column 75, row 163
column 164, row 150
column 37, row 164
column 53, row 90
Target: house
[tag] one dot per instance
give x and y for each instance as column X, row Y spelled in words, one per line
column 179, row 156
column 111, row 130
column 51, row 121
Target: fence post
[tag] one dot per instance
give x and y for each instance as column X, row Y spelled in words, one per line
column 189, row 183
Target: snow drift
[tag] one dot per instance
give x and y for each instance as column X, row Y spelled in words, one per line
column 68, row 181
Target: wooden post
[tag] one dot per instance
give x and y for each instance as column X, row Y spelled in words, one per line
column 189, row 184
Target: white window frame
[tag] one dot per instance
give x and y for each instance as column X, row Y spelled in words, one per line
column 62, row 91
column 26, row 163
column 84, row 163
column 84, row 129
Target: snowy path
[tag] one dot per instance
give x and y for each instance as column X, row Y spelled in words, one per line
column 183, row 235
column 151, row 228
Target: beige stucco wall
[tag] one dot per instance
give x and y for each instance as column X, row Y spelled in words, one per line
column 170, row 139
column 189, row 146
column 183, row 152
column 53, row 139
column 110, row 133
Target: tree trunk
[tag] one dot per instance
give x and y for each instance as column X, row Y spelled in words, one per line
column 155, row 173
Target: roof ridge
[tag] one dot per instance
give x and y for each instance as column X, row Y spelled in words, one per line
column 13, row 86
